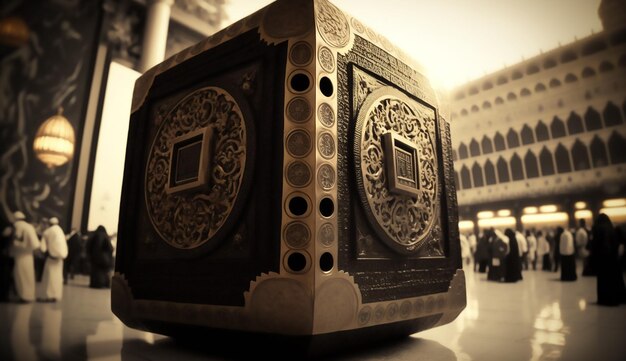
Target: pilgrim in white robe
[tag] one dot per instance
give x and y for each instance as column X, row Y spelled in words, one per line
column 25, row 242
column 53, row 241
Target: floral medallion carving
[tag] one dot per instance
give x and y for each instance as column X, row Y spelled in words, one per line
column 401, row 220
column 326, row 177
column 189, row 219
column 326, row 115
column 332, row 24
column 326, row 59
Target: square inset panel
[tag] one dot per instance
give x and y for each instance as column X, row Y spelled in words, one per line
column 401, row 164
column 189, row 158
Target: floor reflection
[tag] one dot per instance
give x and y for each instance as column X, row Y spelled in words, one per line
column 539, row 318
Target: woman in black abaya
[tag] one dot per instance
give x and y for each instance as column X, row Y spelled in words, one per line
column 610, row 284
column 513, row 261
column 101, row 256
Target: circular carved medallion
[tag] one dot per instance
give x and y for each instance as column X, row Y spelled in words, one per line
column 298, row 174
column 297, row 234
column 394, row 132
column 326, row 145
column 332, row 24
column 186, row 219
column 300, row 53
column 298, row 143
column 299, row 110
column 326, row 177
column 326, row 115
column 326, row 59
column 326, row 234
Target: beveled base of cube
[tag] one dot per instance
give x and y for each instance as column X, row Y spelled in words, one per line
column 258, row 345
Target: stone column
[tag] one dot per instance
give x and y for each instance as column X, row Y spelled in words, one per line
column 155, row 33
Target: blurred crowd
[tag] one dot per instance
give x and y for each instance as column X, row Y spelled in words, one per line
column 599, row 251
column 42, row 252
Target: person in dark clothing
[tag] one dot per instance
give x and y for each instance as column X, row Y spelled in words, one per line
column 6, row 261
column 513, row 261
column 557, row 249
column 610, row 281
column 100, row 251
column 620, row 232
column 499, row 250
column 71, row 266
column 482, row 254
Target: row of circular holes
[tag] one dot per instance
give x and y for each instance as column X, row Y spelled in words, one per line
column 297, row 205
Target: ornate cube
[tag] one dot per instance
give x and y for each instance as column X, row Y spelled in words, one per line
column 290, row 175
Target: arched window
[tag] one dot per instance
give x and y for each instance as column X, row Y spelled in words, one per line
column 587, row 72
column 455, row 157
column 606, row 66
column 466, row 182
column 527, row 135
column 503, row 171
column 598, row 152
column 486, row 145
column 539, row 88
column 612, row 115
column 486, row 105
column 555, row 83
column 463, row 112
column 477, row 175
column 511, row 97
column 474, row 108
column 517, row 75
column 568, row 56
column 473, row 90
column 530, row 163
column 498, row 142
column 617, row 145
column 570, row 78
column 574, row 124
column 557, row 128
column 460, row 95
column 512, row 139
column 499, row 100
column 541, row 131
column 592, row 119
column 561, row 156
column 525, row 92
column 549, row 63
column 546, row 161
column 532, row 69
column 517, row 172
column 487, row 85
column 502, row 80
column 462, row 151
column 474, row 148
column 490, row 173
column 580, row 157
column 456, row 180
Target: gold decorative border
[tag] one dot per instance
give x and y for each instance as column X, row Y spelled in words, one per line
column 293, row 310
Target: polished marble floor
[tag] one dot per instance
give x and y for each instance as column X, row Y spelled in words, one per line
column 539, row 318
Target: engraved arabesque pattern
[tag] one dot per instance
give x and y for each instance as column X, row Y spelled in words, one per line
column 406, row 220
column 189, row 219
column 332, row 24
